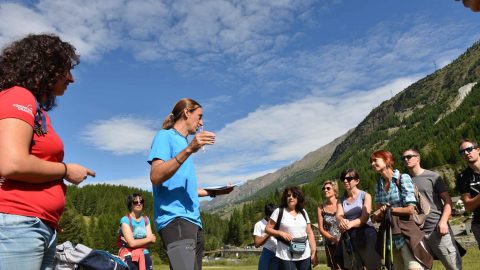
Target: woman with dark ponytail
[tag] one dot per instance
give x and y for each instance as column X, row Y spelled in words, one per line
column 175, row 192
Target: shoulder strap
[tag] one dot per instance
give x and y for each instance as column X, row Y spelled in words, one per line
column 398, row 182
column 145, row 219
column 303, row 214
column 362, row 195
column 279, row 219
column 130, row 221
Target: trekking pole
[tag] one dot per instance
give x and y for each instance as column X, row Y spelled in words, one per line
column 390, row 237
column 384, row 243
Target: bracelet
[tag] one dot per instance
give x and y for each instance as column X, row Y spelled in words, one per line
column 180, row 163
column 65, row 174
column 212, row 194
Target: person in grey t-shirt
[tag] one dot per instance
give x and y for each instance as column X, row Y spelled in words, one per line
column 438, row 234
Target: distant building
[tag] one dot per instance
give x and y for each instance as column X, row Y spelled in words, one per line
column 458, row 207
column 316, row 233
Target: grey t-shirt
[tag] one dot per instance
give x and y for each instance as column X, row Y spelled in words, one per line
column 431, row 185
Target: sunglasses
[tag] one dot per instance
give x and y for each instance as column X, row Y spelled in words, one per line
column 138, row 202
column 349, row 178
column 408, row 157
column 326, row 188
column 467, row 150
column 291, row 195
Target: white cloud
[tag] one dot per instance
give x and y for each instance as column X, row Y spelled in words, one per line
column 182, row 30
column 217, row 178
column 215, row 102
column 120, row 135
column 14, row 25
column 137, row 182
column 287, row 132
column 386, row 52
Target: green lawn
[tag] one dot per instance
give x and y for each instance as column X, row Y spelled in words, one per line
column 469, row 262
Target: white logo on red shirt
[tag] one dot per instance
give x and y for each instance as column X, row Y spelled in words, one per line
column 27, row 109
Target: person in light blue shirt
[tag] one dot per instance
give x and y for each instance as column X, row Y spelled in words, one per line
column 136, row 235
column 175, row 191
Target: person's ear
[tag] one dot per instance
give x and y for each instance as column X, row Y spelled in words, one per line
column 186, row 113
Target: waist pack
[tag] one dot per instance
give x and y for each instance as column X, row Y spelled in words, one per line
column 298, row 245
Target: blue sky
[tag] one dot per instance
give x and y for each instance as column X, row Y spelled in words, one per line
column 277, row 79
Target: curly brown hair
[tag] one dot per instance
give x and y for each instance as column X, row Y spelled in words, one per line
column 36, row 62
column 297, row 193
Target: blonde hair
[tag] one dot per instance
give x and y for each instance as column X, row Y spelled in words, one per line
column 333, row 184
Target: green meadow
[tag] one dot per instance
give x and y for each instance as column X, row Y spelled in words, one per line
column 469, row 262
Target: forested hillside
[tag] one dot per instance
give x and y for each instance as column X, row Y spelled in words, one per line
column 429, row 115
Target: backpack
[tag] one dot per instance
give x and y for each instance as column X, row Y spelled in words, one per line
column 80, row 257
column 423, row 206
column 120, row 242
column 102, row 260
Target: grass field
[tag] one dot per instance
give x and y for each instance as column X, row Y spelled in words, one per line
column 469, row 262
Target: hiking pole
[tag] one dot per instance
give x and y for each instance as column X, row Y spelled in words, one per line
column 390, row 237
column 384, row 243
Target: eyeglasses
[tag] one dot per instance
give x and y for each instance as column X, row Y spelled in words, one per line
column 408, row 157
column 349, row 178
column 467, row 150
column 138, row 202
column 291, row 195
column 326, row 188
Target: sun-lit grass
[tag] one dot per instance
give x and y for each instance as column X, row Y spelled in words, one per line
column 469, row 262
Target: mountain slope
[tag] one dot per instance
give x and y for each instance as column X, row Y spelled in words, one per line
column 431, row 115
column 299, row 172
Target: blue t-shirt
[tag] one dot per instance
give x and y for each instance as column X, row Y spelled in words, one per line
column 138, row 228
column 178, row 196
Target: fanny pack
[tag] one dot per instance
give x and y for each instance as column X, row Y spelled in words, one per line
column 298, row 245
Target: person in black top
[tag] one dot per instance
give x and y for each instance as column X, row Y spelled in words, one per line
column 468, row 183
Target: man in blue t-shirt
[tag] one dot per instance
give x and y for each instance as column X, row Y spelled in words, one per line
column 175, row 191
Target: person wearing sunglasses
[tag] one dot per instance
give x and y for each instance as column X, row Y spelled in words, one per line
column 34, row 71
column 394, row 194
column 136, row 235
column 293, row 225
column 468, row 182
column 438, row 234
column 328, row 224
column 353, row 216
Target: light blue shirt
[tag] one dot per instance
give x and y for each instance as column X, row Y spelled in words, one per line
column 396, row 197
column 139, row 230
column 138, row 227
column 178, row 196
